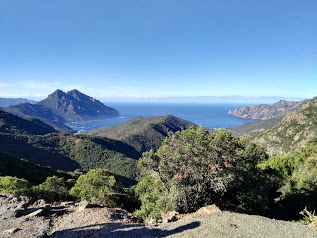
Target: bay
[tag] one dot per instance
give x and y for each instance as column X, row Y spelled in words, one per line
column 209, row 115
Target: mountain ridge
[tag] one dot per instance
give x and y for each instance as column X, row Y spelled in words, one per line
column 143, row 133
column 296, row 129
column 61, row 107
column 267, row 111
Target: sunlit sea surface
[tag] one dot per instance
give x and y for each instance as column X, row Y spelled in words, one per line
column 205, row 114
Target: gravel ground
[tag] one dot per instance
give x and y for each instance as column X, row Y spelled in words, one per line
column 226, row 224
column 80, row 220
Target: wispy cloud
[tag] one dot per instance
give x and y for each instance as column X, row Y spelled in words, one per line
column 116, row 89
column 43, row 85
column 35, row 89
column 22, row 95
column 5, row 85
column 29, row 84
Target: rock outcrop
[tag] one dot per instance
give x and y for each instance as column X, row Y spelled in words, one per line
column 266, row 111
column 295, row 130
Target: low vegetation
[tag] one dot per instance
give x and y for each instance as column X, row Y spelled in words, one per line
column 9, row 184
column 98, row 186
column 143, row 134
column 70, row 152
column 297, row 172
column 194, row 168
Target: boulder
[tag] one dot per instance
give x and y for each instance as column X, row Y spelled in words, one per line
column 169, row 216
column 83, row 205
column 11, row 231
column 208, row 210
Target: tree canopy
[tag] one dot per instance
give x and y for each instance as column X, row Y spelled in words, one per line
column 196, row 167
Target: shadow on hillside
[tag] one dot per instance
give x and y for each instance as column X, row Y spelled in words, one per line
column 20, row 147
column 117, row 146
column 121, row 230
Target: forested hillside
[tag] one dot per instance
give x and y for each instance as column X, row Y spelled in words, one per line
column 143, row 133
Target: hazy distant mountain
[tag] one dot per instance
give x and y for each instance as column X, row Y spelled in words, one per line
column 5, row 102
column 62, row 107
column 143, row 133
column 207, row 99
column 294, row 130
column 267, row 111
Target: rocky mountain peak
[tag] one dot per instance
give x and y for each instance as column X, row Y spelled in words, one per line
column 80, row 96
column 77, row 106
column 56, row 93
column 71, row 106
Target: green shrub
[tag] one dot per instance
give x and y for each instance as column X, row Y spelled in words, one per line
column 14, row 185
column 194, row 168
column 298, row 181
column 98, row 186
column 53, row 189
column 151, row 193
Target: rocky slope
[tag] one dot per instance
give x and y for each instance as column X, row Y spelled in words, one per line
column 295, row 130
column 143, row 133
column 62, row 107
column 266, row 111
column 22, row 217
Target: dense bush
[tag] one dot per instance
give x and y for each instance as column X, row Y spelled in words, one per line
column 14, row 185
column 297, row 171
column 53, row 189
column 98, row 186
column 195, row 167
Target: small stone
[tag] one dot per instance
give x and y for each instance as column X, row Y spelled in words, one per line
column 83, row 205
column 152, row 222
column 11, row 231
column 169, row 216
column 67, row 203
column 39, row 203
column 38, row 212
column 211, row 209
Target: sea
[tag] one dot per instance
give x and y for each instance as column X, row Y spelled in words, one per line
column 209, row 115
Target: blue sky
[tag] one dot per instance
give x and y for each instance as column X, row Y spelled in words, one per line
column 159, row 48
